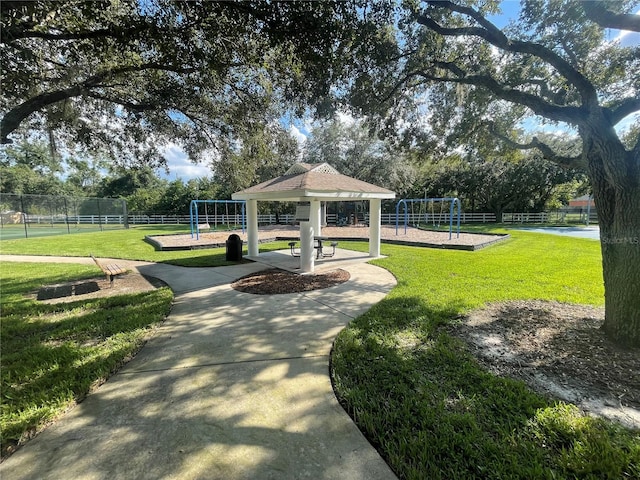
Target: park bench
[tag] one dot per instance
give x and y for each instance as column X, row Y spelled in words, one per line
column 292, row 246
column 321, row 252
column 318, row 246
column 111, row 270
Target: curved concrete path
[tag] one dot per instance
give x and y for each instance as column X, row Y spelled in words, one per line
column 232, row 386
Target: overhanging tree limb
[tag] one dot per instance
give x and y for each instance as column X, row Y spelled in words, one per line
column 11, row 34
column 626, row 107
column 547, row 151
column 134, row 107
column 536, row 104
column 14, row 117
column 598, row 13
column 495, row 37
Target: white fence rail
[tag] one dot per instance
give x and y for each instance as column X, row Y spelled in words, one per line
column 439, row 218
column 541, row 217
column 270, row 219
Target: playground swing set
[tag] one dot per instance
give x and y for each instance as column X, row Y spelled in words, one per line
column 195, row 218
column 434, row 217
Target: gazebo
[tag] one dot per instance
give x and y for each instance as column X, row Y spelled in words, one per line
column 313, row 184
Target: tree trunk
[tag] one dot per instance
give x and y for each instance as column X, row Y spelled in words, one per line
column 617, row 197
column 621, row 272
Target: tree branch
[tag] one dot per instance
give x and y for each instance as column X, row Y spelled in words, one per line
column 546, row 150
column 635, row 151
column 598, row 13
column 486, row 25
column 136, row 107
column 626, row 107
column 12, row 34
column 566, row 114
column 495, row 37
column 200, row 122
column 14, row 117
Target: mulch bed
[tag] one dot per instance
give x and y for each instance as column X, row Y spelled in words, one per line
column 276, row 281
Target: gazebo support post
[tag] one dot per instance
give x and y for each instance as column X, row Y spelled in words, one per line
column 252, row 227
column 307, row 252
column 375, row 210
column 315, row 217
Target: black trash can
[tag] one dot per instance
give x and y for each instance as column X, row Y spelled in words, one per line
column 234, row 248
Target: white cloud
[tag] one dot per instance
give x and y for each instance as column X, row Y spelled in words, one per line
column 626, row 123
column 298, row 135
column 180, row 166
column 346, row 118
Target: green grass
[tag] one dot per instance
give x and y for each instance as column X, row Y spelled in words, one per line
column 426, row 404
column 53, row 355
column 414, row 390
column 127, row 244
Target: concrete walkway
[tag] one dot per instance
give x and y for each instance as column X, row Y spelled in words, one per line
column 232, row 386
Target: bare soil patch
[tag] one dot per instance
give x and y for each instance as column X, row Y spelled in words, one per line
column 558, row 349
column 275, row 281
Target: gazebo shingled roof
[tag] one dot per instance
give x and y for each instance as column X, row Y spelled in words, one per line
column 304, row 180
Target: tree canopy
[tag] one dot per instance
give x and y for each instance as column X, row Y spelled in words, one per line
column 126, row 76
column 448, row 62
column 354, row 151
column 259, row 155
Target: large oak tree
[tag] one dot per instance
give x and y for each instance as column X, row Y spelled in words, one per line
column 556, row 62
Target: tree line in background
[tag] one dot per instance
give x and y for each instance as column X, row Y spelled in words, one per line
column 511, row 182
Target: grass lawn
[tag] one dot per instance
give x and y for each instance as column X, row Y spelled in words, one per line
column 53, row 355
column 127, row 244
column 428, row 406
column 416, row 393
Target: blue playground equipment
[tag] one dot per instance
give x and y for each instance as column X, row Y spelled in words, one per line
column 423, row 202
column 194, row 217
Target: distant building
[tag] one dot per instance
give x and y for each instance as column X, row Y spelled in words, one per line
column 582, row 201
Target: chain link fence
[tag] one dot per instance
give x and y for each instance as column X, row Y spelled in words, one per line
column 24, row 216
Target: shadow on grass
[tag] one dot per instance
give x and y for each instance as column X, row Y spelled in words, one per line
column 433, row 412
column 53, row 354
column 216, row 257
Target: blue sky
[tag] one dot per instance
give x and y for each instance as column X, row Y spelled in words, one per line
column 181, row 167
